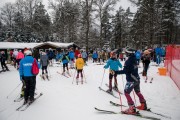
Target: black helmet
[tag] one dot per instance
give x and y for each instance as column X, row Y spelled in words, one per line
column 130, row 50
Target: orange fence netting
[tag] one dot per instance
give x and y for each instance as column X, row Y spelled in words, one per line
column 172, row 63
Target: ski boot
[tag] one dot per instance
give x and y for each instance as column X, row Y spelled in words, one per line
column 109, row 91
column 131, row 110
column 77, row 79
column 115, row 88
column 81, row 80
column 143, row 106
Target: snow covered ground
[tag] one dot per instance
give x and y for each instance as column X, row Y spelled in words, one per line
column 63, row 100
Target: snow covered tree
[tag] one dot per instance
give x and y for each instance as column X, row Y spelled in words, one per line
column 41, row 22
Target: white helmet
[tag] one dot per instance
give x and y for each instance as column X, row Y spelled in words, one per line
column 28, row 52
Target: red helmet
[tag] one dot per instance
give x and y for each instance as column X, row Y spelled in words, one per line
column 79, row 55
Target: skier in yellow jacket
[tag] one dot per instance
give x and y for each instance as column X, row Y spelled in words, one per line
column 79, row 67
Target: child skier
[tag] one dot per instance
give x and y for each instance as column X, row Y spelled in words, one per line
column 133, row 82
column 79, row 66
column 44, row 63
column 146, row 58
column 65, row 61
column 114, row 64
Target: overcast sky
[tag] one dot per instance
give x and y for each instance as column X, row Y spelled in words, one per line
column 124, row 3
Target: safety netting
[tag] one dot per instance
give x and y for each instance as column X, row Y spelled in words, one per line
column 172, row 63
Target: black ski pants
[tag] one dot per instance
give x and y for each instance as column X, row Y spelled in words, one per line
column 30, row 83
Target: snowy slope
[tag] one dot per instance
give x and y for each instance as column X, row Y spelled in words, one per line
column 63, row 100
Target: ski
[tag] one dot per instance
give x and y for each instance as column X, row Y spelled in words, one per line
column 148, row 110
column 19, row 99
column 113, row 88
column 137, row 114
column 28, row 104
column 116, row 104
column 63, row 75
column 108, row 93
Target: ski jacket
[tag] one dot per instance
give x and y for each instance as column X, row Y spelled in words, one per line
column 2, row 57
column 71, row 55
column 138, row 55
column 44, row 60
column 50, row 54
column 64, row 59
column 84, row 55
column 77, row 52
column 95, row 55
column 146, row 59
column 79, row 63
column 26, row 66
column 20, row 55
column 113, row 64
column 15, row 53
column 58, row 56
column 130, row 69
column 158, row 51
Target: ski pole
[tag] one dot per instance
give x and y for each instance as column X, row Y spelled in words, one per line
column 84, row 77
column 49, row 71
column 119, row 95
column 13, row 90
column 102, row 77
column 74, row 76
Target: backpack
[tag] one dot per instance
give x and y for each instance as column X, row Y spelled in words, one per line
column 35, row 69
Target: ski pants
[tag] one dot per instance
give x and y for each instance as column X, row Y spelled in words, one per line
column 79, row 71
column 44, row 68
column 3, row 65
column 65, row 65
column 30, row 83
column 110, row 80
column 128, row 89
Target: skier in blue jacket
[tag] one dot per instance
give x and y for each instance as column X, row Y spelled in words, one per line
column 113, row 64
column 71, row 58
column 27, row 77
column 133, row 82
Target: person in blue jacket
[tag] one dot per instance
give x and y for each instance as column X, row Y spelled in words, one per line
column 158, row 52
column 71, row 57
column 95, row 56
column 113, row 64
column 138, row 56
column 65, row 61
column 27, row 77
column 133, row 82
column 50, row 56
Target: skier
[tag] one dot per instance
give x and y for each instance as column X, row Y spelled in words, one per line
column 114, row 64
column 44, row 63
column 65, row 61
column 138, row 56
column 71, row 56
column 133, row 82
column 84, row 56
column 146, row 61
column 19, row 56
column 28, row 78
column 79, row 67
column 50, row 56
column 77, row 52
column 3, row 59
